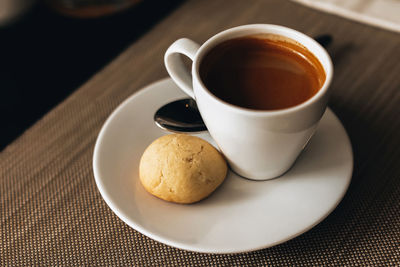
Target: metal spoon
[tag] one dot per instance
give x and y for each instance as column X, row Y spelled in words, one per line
column 184, row 117
column 180, row 116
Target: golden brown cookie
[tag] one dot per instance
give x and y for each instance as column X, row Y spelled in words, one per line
column 181, row 168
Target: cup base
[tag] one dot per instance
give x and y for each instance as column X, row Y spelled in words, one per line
column 258, row 177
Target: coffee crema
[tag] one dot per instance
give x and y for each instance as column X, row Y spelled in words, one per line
column 262, row 72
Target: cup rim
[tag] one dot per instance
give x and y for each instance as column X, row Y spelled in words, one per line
column 264, row 29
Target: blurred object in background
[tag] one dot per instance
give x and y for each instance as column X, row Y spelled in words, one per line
column 379, row 13
column 45, row 55
column 11, row 10
column 90, row 8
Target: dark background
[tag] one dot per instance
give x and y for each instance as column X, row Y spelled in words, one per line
column 45, row 56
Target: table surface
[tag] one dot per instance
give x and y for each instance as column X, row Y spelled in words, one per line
column 52, row 213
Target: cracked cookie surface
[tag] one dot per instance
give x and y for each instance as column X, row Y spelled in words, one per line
column 181, row 168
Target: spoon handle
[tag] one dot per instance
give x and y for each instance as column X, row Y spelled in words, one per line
column 325, row 39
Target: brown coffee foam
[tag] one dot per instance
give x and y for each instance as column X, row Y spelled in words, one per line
column 296, row 47
column 262, row 72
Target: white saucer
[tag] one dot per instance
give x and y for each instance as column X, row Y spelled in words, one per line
column 241, row 215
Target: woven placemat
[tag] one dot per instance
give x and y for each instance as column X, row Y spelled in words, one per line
column 53, row 215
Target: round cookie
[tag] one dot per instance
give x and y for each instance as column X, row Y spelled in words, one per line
column 181, row 168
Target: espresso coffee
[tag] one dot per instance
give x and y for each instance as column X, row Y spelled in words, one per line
column 262, row 72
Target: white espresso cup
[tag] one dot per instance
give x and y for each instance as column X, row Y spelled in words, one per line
column 257, row 144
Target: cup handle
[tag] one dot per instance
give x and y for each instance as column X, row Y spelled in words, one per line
column 175, row 67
